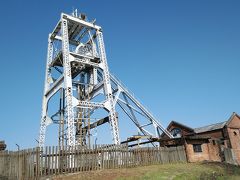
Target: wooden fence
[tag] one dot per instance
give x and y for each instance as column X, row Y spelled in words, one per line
column 230, row 156
column 36, row 163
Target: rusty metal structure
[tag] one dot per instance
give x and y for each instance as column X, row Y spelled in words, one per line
column 77, row 75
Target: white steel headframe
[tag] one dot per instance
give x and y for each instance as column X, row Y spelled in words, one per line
column 83, row 75
column 65, row 81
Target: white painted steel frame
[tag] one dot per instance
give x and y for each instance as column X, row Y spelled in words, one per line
column 145, row 112
column 108, row 90
column 46, row 87
column 98, row 69
column 68, row 84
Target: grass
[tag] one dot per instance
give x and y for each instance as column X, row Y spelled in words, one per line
column 179, row 171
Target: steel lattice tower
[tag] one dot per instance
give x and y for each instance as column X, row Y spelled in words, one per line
column 77, row 69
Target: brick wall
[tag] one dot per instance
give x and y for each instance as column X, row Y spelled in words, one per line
column 237, row 155
column 234, row 137
column 214, row 150
column 233, row 129
column 213, row 134
column 210, row 152
column 197, row 156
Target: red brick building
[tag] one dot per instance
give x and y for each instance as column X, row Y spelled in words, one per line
column 208, row 142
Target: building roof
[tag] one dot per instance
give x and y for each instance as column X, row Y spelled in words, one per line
column 211, row 127
column 216, row 126
column 231, row 118
column 207, row 128
column 179, row 124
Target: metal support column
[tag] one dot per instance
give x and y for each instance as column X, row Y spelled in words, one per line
column 108, row 91
column 43, row 123
column 68, row 84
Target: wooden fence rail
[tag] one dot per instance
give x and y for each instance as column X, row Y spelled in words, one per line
column 35, row 163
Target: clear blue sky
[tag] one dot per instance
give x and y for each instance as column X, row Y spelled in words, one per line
column 181, row 58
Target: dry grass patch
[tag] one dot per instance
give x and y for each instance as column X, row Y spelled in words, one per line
column 176, row 171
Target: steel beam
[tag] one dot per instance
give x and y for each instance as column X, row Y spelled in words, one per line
column 68, row 84
column 108, row 90
column 82, row 22
column 43, row 123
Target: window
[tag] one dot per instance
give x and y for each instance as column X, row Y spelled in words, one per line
column 197, row 148
column 235, row 133
column 176, row 132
